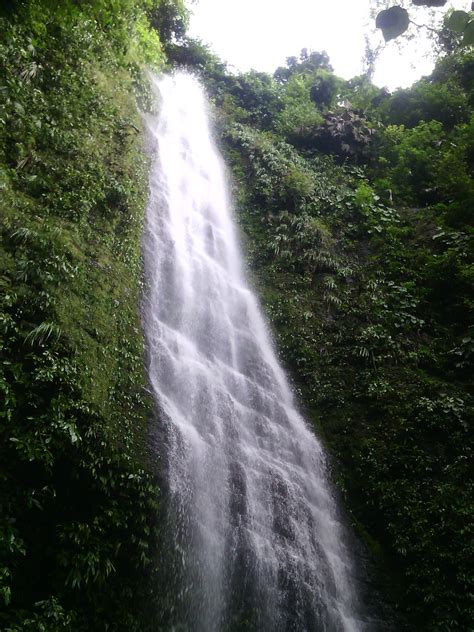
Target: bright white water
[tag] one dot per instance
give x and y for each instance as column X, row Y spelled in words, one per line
column 255, row 536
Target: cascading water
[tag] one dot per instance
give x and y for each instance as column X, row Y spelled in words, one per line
column 256, row 537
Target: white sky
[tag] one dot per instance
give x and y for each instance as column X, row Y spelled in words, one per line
column 260, row 34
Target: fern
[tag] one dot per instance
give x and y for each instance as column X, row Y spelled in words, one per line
column 43, row 332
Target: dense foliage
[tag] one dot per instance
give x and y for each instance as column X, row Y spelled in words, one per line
column 78, row 497
column 355, row 205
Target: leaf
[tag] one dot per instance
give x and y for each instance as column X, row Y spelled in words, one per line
column 468, row 39
column 393, row 22
column 457, row 21
column 42, row 332
column 19, row 109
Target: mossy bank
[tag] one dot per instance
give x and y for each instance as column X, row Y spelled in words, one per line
column 78, row 497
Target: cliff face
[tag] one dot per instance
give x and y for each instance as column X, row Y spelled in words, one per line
column 77, row 495
column 357, row 233
column 354, row 207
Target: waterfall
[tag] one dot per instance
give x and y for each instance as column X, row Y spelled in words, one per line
column 254, row 531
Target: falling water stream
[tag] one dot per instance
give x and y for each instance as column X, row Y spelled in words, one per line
column 255, row 534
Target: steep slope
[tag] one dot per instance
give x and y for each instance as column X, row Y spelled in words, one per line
column 78, row 497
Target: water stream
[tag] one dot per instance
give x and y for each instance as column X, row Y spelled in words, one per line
column 255, row 534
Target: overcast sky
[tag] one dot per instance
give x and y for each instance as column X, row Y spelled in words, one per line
column 260, row 34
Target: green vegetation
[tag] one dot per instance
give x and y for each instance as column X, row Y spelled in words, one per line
column 356, row 208
column 395, row 21
column 78, row 496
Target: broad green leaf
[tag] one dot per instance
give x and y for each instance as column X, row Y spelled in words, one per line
column 457, row 21
column 468, row 39
column 393, row 22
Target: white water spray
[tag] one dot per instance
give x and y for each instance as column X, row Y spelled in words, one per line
column 256, row 536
